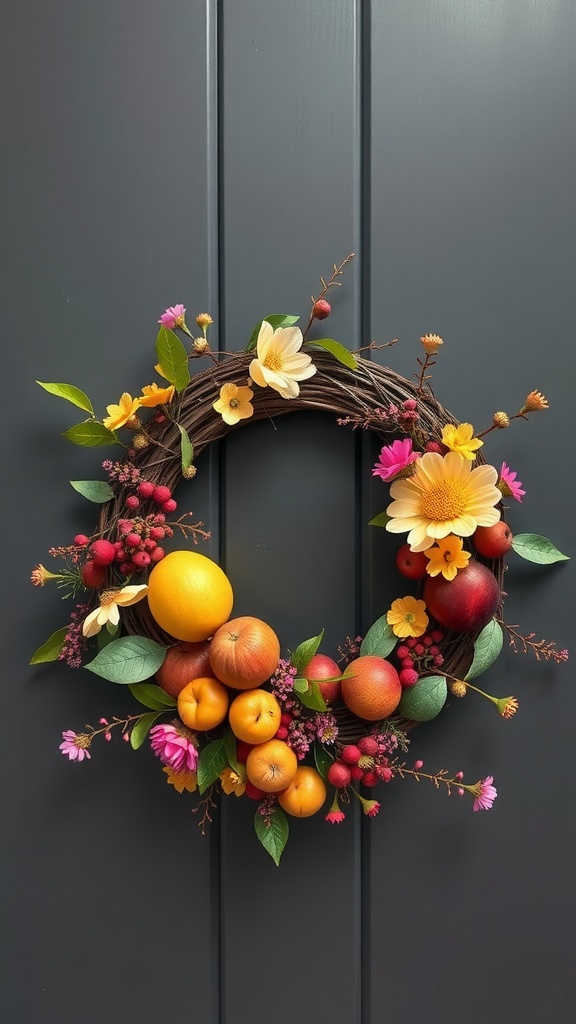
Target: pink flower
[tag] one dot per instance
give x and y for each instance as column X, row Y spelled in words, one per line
column 394, row 458
column 174, row 745
column 509, row 485
column 335, row 817
column 370, row 807
column 75, row 745
column 173, row 316
column 485, row 794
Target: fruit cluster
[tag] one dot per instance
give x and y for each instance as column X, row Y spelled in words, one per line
column 367, row 761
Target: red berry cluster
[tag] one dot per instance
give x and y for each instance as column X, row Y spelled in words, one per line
column 366, row 762
column 417, row 655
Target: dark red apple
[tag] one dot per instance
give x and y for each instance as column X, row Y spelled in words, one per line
column 412, row 564
column 493, row 541
column 322, row 668
column 184, row 662
column 465, row 603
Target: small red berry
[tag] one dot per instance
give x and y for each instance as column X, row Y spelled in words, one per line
column 132, row 540
column 281, row 732
column 370, row 778
column 339, row 775
column 146, row 489
column 170, row 505
column 351, row 754
column 427, row 641
column 141, row 559
column 419, row 650
column 384, row 772
column 437, row 635
column 159, row 518
column 408, row 677
column 120, row 554
column 321, row 309
column 161, row 494
column 81, row 540
column 157, row 555
column 418, row 765
column 157, row 533
column 368, row 745
column 411, row 642
column 407, row 663
column 132, row 502
column 403, row 652
column 149, row 545
column 126, row 568
column 102, row 552
column 242, row 750
column 93, row 575
column 285, row 718
column 356, row 772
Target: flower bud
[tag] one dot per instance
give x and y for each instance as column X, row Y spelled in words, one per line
column 501, row 419
column 200, row 346
column 321, row 309
column 204, row 320
column 431, row 343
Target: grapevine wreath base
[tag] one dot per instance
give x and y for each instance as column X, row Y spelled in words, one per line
column 224, row 711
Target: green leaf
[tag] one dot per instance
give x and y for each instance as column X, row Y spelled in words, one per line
column 212, row 761
column 131, row 659
column 272, row 831
column 487, row 647
column 305, row 652
column 90, row 434
column 424, row 700
column 343, row 355
column 105, row 637
column 186, row 448
column 379, row 640
column 70, row 393
column 97, row 491
column 173, row 358
column 309, row 694
column 380, row 520
column 323, row 760
column 538, row 549
column 142, row 728
column 231, row 754
column 276, row 320
column 152, row 696
column 50, row 650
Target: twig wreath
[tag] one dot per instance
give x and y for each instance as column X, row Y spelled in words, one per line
column 224, row 710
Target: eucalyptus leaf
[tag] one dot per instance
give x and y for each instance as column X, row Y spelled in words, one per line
column 276, row 320
column 70, row 393
column 380, row 520
column 51, row 649
column 535, row 548
column 130, row 659
column 311, row 696
column 152, row 696
column 487, row 647
column 272, row 831
column 173, row 358
column 90, row 434
column 343, row 355
column 305, row 652
column 140, row 731
column 186, row 448
column 323, row 759
column 380, row 639
column 213, row 759
column 97, row 491
column 424, row 700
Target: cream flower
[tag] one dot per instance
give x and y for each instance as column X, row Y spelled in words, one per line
column 152, row 395
column 280, row 363
column 444, row 495
column 119, row 414
column 110, row 602
column 234, row 404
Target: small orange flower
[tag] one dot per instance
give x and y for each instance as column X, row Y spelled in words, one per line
column 232, row 782
column 152, row 396
column 507, row 706
column 446, row 557
column 118, row 415
column 535, row 401
column 181, row 781
column 407, row 616
column 431, row 343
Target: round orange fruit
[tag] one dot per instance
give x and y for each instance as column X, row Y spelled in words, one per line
column 271, row 766
column 254, row 716
column 305, row 795
column 371, row 688
column 244, row 652
column 189, row 595
column 203, row 703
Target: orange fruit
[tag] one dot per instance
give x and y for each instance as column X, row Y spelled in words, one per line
column 371, row 688
column 189, row 595
column 244, row 652
column 203, row 703
column 254, row 716
column 305, row 794
column 271, row 766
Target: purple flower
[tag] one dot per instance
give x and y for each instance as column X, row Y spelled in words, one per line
column 485, row 794
column 173, row 316
column 509, row 485
column 75, row 745
column 394, row 458
column 174, row 745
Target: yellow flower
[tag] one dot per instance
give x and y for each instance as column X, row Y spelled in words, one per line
column 446, row 557
column 181, row 781
column 461, row 439
column 431, row 343
column 232, row 782
column 407, row 616
column 110, row 602
column 444, row 495
column 279, row 363
column 535, row 401
column 152, row 396
column 235, row 403
column 119, row 414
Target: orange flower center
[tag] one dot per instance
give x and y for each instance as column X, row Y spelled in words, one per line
column 443, row 501
column 273, row 361
column 108, row 597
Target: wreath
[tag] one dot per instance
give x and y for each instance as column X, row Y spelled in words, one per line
column 226, row 710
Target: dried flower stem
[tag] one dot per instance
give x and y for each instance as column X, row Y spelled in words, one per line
column 206, row 804
column 336, row 272
column 545, row 649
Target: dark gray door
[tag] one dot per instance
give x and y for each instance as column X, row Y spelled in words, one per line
column 226, row 155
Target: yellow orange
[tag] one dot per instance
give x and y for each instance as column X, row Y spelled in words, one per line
column 271, row 766
column 254, row 716
column 305, row 795
column 203, row 703
column 189, row 595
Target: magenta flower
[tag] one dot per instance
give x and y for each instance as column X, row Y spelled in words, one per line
column 394, row 458
column 75, row 745
column 335, row 817
column 485, row 794
column 509, row 485
column 173, row 316
column 174, row 745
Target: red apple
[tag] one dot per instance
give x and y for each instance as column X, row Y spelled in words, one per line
column 321, row 668
column 465, row 603
column 183, row 663
column 412, row 564
column 493, row 541
column 244, row 652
